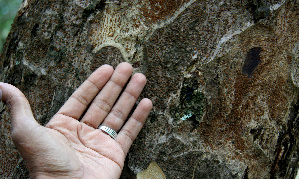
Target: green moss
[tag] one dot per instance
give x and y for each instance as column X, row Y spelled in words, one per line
column 192, row 102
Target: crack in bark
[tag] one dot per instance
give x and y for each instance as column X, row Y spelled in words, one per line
column 285, row 163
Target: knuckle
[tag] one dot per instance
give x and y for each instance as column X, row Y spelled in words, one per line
column 129, row 134
column 130, row 94
column 93, row 84
column 80, row 98
column 103, row 104
column 118, row 113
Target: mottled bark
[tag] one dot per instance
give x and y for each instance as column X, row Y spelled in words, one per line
column 223, row 77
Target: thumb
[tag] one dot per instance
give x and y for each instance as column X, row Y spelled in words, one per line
column 22, row 119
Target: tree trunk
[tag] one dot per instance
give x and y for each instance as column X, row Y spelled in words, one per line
column 223, row 77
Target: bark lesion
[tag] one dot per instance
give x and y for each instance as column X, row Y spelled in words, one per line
column 96, row 5
column 286, row 156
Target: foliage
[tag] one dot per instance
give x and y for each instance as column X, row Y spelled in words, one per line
column 8, row 10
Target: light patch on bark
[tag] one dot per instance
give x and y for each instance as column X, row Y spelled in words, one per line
column 124, row 26
column 120, row 28
column 295, row 65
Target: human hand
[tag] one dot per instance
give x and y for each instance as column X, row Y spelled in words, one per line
column 71, row 145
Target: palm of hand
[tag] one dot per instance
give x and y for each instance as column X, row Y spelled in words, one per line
column 70, row 147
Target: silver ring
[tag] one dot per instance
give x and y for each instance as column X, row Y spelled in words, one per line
column 109, row 131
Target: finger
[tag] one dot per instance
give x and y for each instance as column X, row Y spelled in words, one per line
column 133, row 126
column 82, row 97
column 125, row 103
column 104, row 101
column 22, row 119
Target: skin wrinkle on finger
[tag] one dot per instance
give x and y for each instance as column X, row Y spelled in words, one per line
column 130, row 134
column 81, row 99
column 103, row 105
column 96, row 79
column 104, row 101
column 136, row 85
column 130, row 94
column 123, row 106
column 118, row 114
column 126, row 102
column 88, row 90
column 78, row 109
column 121, row 73
column 100, row 108
column 120, row 111
column 134, row 124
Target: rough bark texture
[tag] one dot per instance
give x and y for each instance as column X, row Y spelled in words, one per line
column 223, row 76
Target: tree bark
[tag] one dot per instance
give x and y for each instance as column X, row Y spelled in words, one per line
column 223, row 77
